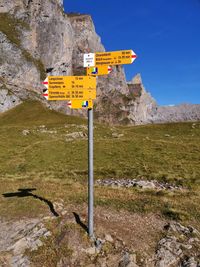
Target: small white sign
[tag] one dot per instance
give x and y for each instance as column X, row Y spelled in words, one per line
column 89, row 60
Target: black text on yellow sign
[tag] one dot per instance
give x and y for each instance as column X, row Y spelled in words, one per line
column 71, row 94
column 71, row 82
column 115, row 58
column 70, row 88
column 109, row 58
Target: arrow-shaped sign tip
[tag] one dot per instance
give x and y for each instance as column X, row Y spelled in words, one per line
column 109, row 69
column 45, row 82
column 69, row 104
column 133, row 56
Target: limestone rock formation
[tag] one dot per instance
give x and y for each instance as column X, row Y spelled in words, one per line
column 183, row 112
column 38, row 39
column 35, row 37
column 142, row 107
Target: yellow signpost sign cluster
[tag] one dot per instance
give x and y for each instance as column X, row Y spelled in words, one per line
column 82, row 89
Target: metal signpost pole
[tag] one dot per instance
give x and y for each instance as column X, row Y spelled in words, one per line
column 90, row 175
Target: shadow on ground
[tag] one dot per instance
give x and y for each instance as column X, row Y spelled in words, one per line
column 27, row 192
column 79, row 222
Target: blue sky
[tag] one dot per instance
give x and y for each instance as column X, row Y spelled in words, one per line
column 165, row 34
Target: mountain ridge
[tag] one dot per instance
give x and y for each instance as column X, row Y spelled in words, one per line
column 44, row 40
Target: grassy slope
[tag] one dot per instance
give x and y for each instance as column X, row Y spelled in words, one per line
column 58, row 168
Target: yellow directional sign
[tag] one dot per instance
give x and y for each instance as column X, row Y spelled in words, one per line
column 115, row 58
column 97, row 71
column 70, row 87
column 71, row 82
column 77, row 104
column 81, row 94
column 109, row 58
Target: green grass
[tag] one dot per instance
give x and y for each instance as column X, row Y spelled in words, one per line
column 58, row 168
column 33, row 113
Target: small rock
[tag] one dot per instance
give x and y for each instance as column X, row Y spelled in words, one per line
column 133, row 257
column 26, row 132
column 68, row 139
column 193, row 230
column 187, row 246
column 109, row 238
column 146, row 184
column 98, row 244
column 91, row 250
column 192, row 240
column 20, row 261
column 168, row 253
column 20, row 246
column 176, row 246
column 76, row 135
column 191, row 262
column 116, row 135
column 132, row 264
column 125, row 260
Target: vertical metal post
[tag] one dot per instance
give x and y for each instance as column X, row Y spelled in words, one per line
column 90, row 175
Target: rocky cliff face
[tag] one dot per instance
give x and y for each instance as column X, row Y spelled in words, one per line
column 38, row 39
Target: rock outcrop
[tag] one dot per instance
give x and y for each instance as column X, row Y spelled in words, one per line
column 183, row 112
column 17, row 237
column 179, row 247
column 143, row 109
column 38, row 39
column 141, row 106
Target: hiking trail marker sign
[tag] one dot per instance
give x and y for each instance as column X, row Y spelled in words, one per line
column 109, row 58
column 70, row 87
column 98, row 71
column 76, row 104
